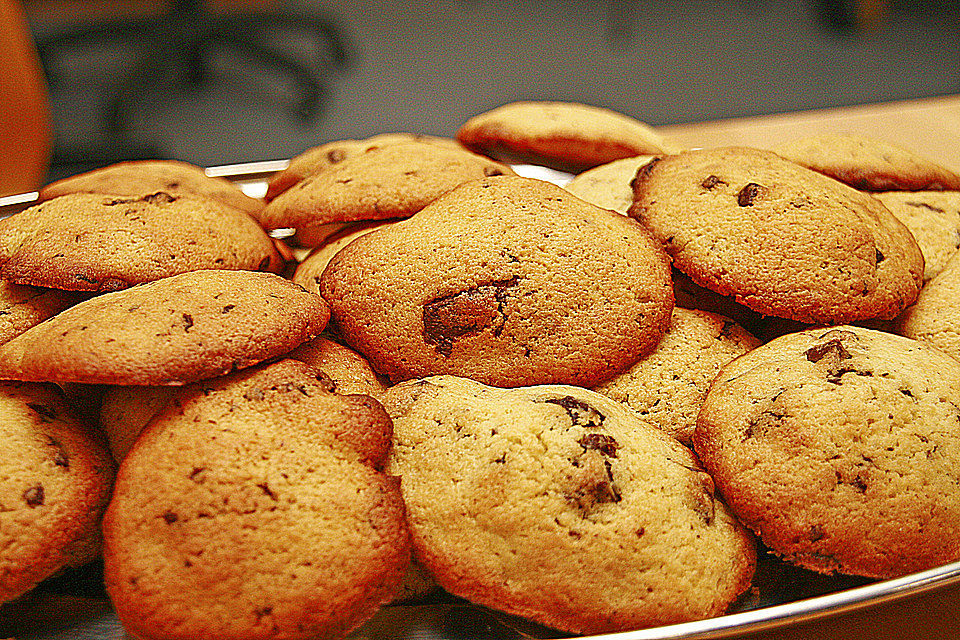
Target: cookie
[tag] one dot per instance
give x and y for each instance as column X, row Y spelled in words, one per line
column 253, row 506
column 935, row 318
column 308, row 272
column 609, row 185
column 393, row 181
column 324, row 156
column 560, row 505
column 126, row 410
column 22, row 307
column 840, row 447
column 783, row 240
column 933, row 217
column 94, row 242
column 349, row 371
column 667, row 386
column 144, row 177
column 172, row 331
column 510, row 281
column 868, row 164
column 563, row 135
column 55, row 484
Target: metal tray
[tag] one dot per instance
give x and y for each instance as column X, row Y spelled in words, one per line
column 74, row 606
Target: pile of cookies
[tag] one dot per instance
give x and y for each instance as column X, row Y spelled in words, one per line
column 586, row 405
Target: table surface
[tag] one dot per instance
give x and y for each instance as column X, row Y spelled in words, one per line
column 929, row 127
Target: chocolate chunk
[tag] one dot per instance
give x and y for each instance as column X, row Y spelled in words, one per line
column 817, row 352
column 169, row 517
column 187, row 321
column 603, row 443
column 880, row 256
column 465, row 313
column 581, row 413
column 749, row 194
column 711, row 181
column 34, row 496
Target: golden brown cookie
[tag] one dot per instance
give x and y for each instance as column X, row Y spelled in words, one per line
column 868, row 164
column 563, row 135
column 933, row 217
column 667, row 386
column 95, row 242
column 324, row 156
column 840, row 447
column 784, row 240
column 22, row 307
column 561, row 505
column 54, row 486
column 393, row 181
column 308, row 272
column 253, row 507
column 935, row 318
column 171, row 331
column 348, row 370
column 608, row 185
column 143, row 177
column 507, row 280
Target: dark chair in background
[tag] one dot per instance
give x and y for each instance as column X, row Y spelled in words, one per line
column 181, row 39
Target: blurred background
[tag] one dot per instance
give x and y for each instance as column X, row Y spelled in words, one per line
column 200, row 81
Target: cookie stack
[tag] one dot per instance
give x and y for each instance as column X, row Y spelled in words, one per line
column 586, row 405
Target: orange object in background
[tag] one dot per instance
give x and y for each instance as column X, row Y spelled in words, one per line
column 26, row 135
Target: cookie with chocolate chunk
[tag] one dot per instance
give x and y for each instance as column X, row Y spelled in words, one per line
column 168, row 332
column 667, row 386
column 95, row 242
column 783, row 240
column 561, row 505
column 393, row 181
column 55, row 484
column 254, row 506
column 316, row 159
column 840, row 447
column 507, row 280
column 869, row 164
column 935, row 318
column 143, row 177
column 564, row 135
column 933, row 217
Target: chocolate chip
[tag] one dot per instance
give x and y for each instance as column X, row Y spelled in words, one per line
column 187, row 321
column 34, row 496
column 749, row 194
column 581, row 413
column 336, row 155
column 603, row 443
column 169, row 517
column 465, row 313
column 263, row 486
column 711, row 181
column 817, row 352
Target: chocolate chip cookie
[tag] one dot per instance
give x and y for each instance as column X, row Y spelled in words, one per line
column 560, row 505
column 840, row 448
column 507, row 280
column 784, row 240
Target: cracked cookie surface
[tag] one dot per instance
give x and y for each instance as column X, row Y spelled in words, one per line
column 560, row 505
column 840, row 448
column 784, row 240
column 507, row 280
